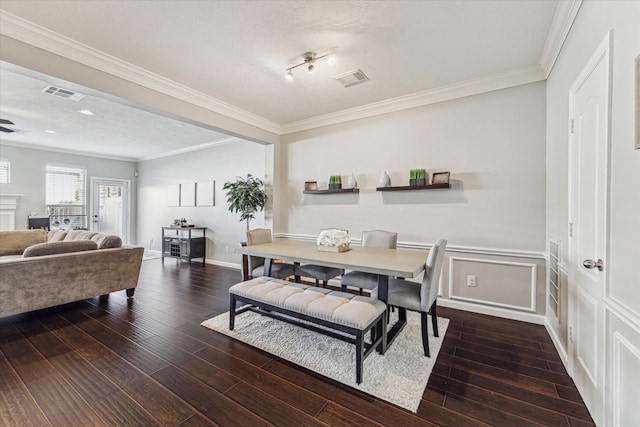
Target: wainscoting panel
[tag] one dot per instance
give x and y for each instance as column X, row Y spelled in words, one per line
column 623, row 375
column 505, row 284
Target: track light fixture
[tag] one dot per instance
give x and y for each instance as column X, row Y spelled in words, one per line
column 309, row 59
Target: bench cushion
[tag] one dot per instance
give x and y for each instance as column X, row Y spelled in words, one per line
column 333, row 306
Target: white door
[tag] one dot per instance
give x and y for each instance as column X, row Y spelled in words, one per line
column 110, row 207
column 589, row 148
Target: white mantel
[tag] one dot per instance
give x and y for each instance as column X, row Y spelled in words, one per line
column 8, row 206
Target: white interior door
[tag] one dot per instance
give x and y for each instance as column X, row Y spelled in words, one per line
column 110, row 207
column 590, row 108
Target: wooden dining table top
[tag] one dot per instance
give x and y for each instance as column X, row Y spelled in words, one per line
column 389, row 262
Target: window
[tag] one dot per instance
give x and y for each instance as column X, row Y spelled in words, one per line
column 66, row 197
column 5, row 171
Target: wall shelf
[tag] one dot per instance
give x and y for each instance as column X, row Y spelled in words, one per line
column 415, row 187
column 334, row 191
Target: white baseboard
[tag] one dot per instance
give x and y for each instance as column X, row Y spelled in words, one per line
column 492, row 311
column 557, row 344
column 223, row 263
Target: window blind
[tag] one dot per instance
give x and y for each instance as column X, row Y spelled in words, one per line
column 65, row 186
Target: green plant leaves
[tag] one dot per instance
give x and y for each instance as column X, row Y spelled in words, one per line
column 246, row 196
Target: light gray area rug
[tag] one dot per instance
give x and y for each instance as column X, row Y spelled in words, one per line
column 399, row 377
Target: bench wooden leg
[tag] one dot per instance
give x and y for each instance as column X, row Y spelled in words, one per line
column 232, row 311
column 359, row 354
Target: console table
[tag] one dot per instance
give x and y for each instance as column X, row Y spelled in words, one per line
column 184, row 243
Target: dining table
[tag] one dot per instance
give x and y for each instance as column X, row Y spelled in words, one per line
column 405, row 263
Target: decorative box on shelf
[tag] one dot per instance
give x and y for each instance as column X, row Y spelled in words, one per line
column 333, row 240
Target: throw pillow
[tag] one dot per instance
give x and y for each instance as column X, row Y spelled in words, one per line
column 56, row 235
column 79, row 235
column 53, row 248
column 106, row 241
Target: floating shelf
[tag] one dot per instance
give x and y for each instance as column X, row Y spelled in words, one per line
column 337, row 190
column 414, row 187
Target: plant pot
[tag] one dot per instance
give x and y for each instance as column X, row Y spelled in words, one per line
column 335, row 186
column 417, row 181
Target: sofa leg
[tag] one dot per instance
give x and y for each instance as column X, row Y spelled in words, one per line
column 130, row 292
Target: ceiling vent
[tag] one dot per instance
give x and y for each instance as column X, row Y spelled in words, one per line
column 351, row 78
column 63, row 93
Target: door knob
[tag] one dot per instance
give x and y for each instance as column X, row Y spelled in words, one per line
column 589, row 263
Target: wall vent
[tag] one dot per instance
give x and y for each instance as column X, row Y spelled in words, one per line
column 351, row 78
column 63, row 93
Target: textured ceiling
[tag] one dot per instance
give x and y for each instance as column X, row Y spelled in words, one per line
column 237, row 51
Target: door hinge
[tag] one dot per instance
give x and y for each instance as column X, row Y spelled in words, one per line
column 572, row 126
column 570, row 229
column 570, row 333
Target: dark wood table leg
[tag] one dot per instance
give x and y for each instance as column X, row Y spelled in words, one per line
column 383, row 295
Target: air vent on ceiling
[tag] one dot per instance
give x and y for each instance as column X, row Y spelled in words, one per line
column 351, row 78
column 63, row 93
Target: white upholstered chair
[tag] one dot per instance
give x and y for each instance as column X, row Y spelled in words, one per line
column 279, row 270
column 372, row 239
column 418, row 297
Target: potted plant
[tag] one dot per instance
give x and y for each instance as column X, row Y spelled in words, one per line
column 417, row 177
column 335, row 182
column 246, row 196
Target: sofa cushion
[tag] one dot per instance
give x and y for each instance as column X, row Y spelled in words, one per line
column 53, row 248
column 79, row 235
column 56, row 235
column 106, row 241
column 15, row 242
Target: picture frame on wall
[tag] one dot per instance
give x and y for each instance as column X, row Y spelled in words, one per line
column 188, row 194
column 440, row 178
column 173, row 195
column 205, row 193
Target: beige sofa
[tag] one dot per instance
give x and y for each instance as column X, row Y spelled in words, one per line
column 40, row 269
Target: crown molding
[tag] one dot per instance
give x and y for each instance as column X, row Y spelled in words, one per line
column 30, row 146
column 562, row 21
column 40, row 37
column 188, row 149
column 445, row 93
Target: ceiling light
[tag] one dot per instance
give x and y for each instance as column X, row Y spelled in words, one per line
column 50, row 131
column 309, row 59
column 331, row 60
column 86, row 112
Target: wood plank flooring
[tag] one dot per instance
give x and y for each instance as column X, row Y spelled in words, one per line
column 148, row 362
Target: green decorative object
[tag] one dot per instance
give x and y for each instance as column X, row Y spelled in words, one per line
column 246, row 196
column 417, row 177
column 335, row 182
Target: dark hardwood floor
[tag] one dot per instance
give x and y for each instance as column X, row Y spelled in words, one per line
column 146, row 362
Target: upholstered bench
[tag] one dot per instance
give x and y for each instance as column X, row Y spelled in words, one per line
column 350, row 314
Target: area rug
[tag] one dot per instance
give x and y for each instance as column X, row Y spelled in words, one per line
column 399, row 377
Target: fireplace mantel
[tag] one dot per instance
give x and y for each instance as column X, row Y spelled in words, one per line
column 8, row 206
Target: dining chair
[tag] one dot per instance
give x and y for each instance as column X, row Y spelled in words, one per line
column 406, row 295
column 371, row 239
column 279, row 270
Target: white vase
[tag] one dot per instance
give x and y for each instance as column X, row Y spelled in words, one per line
column 351, row 182
column 384, row 180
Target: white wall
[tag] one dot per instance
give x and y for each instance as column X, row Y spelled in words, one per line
column 28, row 178
column 493, row 145
column 219, row 163
column 622, row 303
